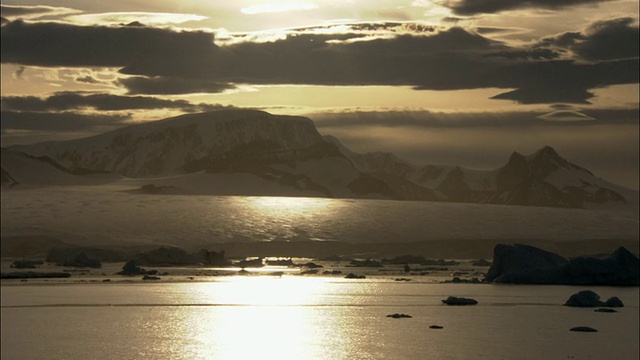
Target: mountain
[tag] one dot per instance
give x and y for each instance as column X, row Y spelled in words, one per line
column 247, row 152
column 22, row 170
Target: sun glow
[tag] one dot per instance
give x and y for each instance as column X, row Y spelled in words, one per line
column 278, row 7
column 290, row 205
column 260, row 318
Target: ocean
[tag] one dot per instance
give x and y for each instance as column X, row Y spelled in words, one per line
column 308, row 317
column 292, row 316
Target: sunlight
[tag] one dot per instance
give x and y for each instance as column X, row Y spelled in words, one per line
column 278, row 7
column 289, row 205
column 267, row 318
column 267, row 291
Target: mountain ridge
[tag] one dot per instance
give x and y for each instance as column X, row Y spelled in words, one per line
column 288, row 151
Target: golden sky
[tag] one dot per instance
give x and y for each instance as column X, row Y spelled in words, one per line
column 445, row 81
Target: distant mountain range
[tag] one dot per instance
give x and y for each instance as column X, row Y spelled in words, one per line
column 246, row 152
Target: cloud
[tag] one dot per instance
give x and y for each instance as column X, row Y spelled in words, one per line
column 164, row 61
column 567, row 81
column 103, row 102
column 565, row 115
column 60, row 122
column 88, row 80
column 474, row 7
column 135, row 18
column 12, row 12
column 69, row 45
column 172, row 85
column 602, row 40
column 473, row 120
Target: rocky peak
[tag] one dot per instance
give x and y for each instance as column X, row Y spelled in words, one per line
column 547, row 160
column 548, row 152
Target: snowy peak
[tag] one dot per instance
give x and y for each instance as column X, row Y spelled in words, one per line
column 287, row 152
column 545, row 178
column 539, row 165
column 547, row 160
column 164, row 147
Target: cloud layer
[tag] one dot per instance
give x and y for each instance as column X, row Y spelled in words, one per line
column 474, row 7
column 166, row 61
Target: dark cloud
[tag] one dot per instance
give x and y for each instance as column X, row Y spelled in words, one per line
column 162, row 61
column 60, row 122
column 68, row 45
column 470, row 120
column 602, row 40
column 542, row 94
column 566, row 81
column 474, row 7
column 103, row 102
column 172, row 85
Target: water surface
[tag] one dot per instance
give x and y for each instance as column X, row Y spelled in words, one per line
column 294, row 317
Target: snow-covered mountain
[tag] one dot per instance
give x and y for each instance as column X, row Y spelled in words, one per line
column 255, row 153
column 22, row 170
column 165, row 147
column 540, row 179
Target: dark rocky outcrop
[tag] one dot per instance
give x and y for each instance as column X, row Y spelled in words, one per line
column 280, row 262
column 82, row 260
column 588, row 298
column 26, row 264
column 354, row 276
column 621, row 267
column 585, row 298
column 452, row 300
column 436, row 327
column 523, row 264
column 613, row 302
column 259, row 262
column 365, row 263
column 399, row 316
column 132, row 268
column 33, row 275
column 310, row 265
column 583, row 329
column 332, row 272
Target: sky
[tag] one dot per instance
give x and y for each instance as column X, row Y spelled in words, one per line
column 455, row 82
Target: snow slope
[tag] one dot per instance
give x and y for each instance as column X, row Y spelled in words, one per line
column 164, row 147
column 279, row 155
column 27, row 171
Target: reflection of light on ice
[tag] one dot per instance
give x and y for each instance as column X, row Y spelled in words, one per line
column 259, row 318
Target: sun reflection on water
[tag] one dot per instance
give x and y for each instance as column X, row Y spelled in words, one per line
column 290, row 205
column 260, row 318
